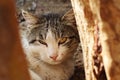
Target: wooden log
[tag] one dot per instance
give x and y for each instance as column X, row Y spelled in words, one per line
column 85, row 23
column 98, row 23
column 110, row 29
column 13, row 65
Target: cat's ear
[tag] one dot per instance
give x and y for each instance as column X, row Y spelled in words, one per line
column 29, row 18
column 69, row 18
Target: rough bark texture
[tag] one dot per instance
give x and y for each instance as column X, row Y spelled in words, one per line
column 12, row 60
column 98, row 23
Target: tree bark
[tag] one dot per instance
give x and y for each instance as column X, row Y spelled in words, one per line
column 98, row 23
column 13, row 65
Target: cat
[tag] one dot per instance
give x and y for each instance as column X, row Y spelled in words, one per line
column 50, row 41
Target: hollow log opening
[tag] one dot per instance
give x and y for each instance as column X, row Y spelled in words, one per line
column 98, row 23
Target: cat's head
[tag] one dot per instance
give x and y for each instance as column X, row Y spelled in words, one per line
column 52, row 38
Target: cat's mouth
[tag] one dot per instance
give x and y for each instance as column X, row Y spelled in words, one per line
column 53, row 62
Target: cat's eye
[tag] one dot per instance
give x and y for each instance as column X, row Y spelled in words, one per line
column 62, row 40
column 38, row 42
column 42, row 42
column 32, row 41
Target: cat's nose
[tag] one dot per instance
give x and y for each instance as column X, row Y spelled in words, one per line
column 54, row 57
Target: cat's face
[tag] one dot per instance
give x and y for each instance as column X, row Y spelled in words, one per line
column 52, row 39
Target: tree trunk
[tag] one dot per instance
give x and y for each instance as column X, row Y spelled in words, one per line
column 13, row 65
column 98, row 23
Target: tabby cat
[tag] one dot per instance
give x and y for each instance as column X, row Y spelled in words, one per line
column 50, row 42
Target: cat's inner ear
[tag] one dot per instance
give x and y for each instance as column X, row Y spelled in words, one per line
column 29, row 18
column 69, row 18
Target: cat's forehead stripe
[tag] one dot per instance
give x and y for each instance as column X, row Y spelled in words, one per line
column 52, row 19
column 53, row 22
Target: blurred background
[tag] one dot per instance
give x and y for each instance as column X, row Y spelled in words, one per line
column 42, row 6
